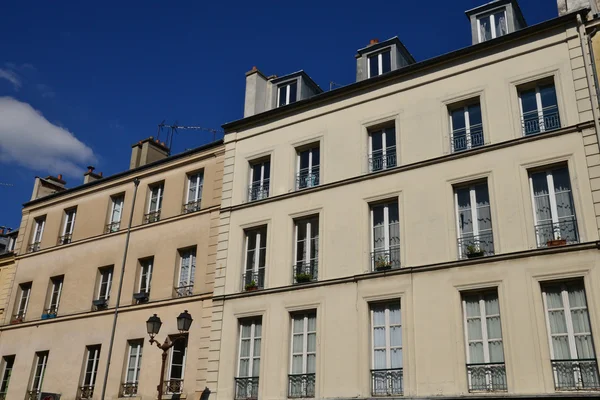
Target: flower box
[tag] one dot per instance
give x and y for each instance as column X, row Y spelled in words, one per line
column 556, row 242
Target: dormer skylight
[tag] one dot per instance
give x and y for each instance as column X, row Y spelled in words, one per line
column 379, row 58
column 380, row 63
column 491, row 26
column 287, row 93
column 495, row 19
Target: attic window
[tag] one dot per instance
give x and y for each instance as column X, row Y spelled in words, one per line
column 380, row 63
column 286, row 93
column 491, row 26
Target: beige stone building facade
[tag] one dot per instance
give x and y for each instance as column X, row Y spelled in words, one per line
column 428, row 231
column 57, row 328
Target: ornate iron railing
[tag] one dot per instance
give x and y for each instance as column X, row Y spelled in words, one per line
column 112, row 227
column 252, row 280
column 152, row 217
column 246, row 388
column 307, row 177
column 17, row 318
column 191, row 206
column 129, row 389
column 258, row 190
column 306, row 271
column 2, row 396
column 32, row 394
column 35, row 246
column 65, row 239
column 184, row 291
column 85, row 392
column 461, row 140
column 470, row 246
column 564, row 229
column 387, row 382
column 382, row 260
column 301, row 385
column 50, row 313
column 576, row 374
column 379, row 161
column 173, row 386
column 536, row 121
column 489, row 377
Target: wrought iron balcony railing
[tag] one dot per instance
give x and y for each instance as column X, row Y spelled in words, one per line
column 301, row 385
column 489, row 377
column 306, row 271
column 129, row 389
column 18, row 318
column 3, row 396
column 576, row 374
column 112, row 227
column 382, row 260
column 35, row 246
column 32, row 394
column 565, row 229
column 462, row 140
column 387, row 382
column 50, row 313
column 253, row 280
column 152, row 217
column 191, row 206
column 183, row 291
column 536, row 121
column 258, row 190
column 471, row 246
column 379, row 161
column 65, row 239
column 85, row 392
column 246, row 388
column 307, row 177
column 173, row 386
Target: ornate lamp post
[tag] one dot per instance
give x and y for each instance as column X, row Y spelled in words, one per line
column 184, row 321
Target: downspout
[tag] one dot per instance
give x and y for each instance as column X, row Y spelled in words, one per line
column 588, row 74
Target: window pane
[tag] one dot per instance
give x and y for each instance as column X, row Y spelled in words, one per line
column 396, row 358
column 548, row 95
column 377, row 141
column 267, row 170
column 257, row 344
column 496, row 351
column 395, row 316
column 311, row 364
column 528, row 101
column 373, row 65
column 500, row 21
column 476, row 353
column 458, row 120
column 474, row 328
column 298, row 324
column 379, row 336
column 304, row 158
column 245, row 348
column 390, row 137
column 474, row 114
column 396, row 336
column 465, row 218
column 316, row 156
column 485, row 29
column 378, row 316
column 297, row 364
column 472, row 306
column 494, row 329
column 293, row 89
column 312, row 323
column 311, row 342
column 560, row 345
column 541, row 197
column 379, row 359
column 584, row 346
column 244, row 364
column 282, row 96
column 386, row 62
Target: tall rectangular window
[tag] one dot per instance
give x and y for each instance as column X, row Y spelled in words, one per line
column 260, row 174
column 68, row 225
column 473, row 220
column 155, row 196
column 303, row 365
column 466, row 127
column 385, row 236
column 7, row 367
column 539, row 107
column 194, row 192
column 483, row 336
column 129, row 387
column 104, row 283
column 38, row 231
column 255, row 263
column 308, row 164
column 379, row 63
column 116, row 212
column 306, row 250
column 88, row 381
column 382, row 149
column 176, row 369
column 386, row 343
column 569, row 332
column 246, row 383
column 187, row 271
column 287, row 93
column 56, row 285
column 492, row 25
column 146, row 266
column 22, row 302
column 554, row 210
column 35, row 386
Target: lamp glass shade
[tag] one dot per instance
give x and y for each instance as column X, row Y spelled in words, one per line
column 184, row 321
column 153, row 325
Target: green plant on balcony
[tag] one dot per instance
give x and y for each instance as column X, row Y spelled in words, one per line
column 251, row 286
column 302, row 277
column 474, row 251
column 382, row 263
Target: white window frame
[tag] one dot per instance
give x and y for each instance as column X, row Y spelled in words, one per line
column 159, row 189
column 384, row 147
column 146, row 267
column 55, row 292
column 388, row 329
column 191, row 254
column 310, row 236
column 6, row 372
column 467, row 116
column 170, row 367
column 492, row 23
column 38, row 232
column 107, row 273
column 286, row 88
column 311, row 165
column 257, row 232
column 43, row 357
column 484, row 330
column 379, row 62
column 196, row 179
column 386, row 222
column 251, row 356
column 117, row 202
column 69, row 221
column 304, row 353
column 261, row 182
column 138, row 346
column 93, row 354
column 25, row 294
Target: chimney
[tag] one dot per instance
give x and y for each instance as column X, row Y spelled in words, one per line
column 255, row 100
column 2, row 229
column 90, row 176
column 373, row 41
column 46, row 186
column 147, row 151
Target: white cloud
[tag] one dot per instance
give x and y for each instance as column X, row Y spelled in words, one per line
column 12, row 77
column 30, row 140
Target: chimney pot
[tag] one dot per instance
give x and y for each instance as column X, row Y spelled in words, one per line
column 59, row 177
column 100, row 174
column 373, row 41
column 254, row 68
column 91, row 168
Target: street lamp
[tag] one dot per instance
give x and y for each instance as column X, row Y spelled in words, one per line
column 184, row 321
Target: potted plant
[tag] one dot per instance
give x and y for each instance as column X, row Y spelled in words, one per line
column 474, row 251
column 558, row 241
column 17, row 319
column 251, row 286
column 302, row 277
column 382, row 264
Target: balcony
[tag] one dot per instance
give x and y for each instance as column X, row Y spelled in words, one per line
column 379, row 160
column 65, row 239
column 112, row 227
column 490, row 377
column 129, row 389
column 473, row 246
column 462, row 140
column 173, row 386
column 305, row 272
column 387, row 382
column 3, row 396
column 383, row 260
column 35, row 246
column 307, row 177
column 184, row 291
column 191, row 206
column 32, row 395
column 18, row 318
column 50, row 313
column 301, row 385
column 246, row 388
column 253, row 280
column 557, row 233
column 576, row 374
column 535, row 121
column 85, row 392
column 258, row 190
column 152, row 217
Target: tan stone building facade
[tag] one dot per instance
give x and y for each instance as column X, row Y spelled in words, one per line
column 57, row 328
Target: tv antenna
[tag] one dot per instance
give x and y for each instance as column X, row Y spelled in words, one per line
column 172, row 129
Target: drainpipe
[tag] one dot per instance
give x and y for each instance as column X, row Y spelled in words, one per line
column 136, row 182
column 588, row 74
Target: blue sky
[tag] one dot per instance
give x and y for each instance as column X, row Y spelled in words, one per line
column 80, row 82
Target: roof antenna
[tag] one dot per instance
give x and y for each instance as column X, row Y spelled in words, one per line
column 332, row 85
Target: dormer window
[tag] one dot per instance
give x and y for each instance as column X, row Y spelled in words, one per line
column 492, row 25
column 380, row 63
column 287, row 93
